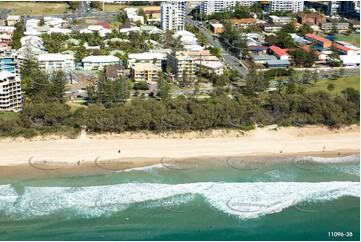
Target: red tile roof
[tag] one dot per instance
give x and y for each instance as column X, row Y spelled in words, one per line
column 105, row 25
column 318, row 38
column 341, row 47
column 277, row 50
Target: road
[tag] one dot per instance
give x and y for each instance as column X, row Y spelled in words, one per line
column 229, row 59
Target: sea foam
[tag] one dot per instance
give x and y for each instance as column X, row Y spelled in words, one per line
column 243, row 200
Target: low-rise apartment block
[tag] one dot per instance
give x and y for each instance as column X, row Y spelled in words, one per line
column 56, row 62
column 98, row 62
column 144, row 72
column 182, row 65
column 310, row 18
column 153, row 58
column 280, row 20
column 341, row 27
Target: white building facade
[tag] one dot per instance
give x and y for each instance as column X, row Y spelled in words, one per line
column 173, row 15
column 10, row 91
column 98, row 62
column 153, row 58
column 56, row 62
column 210, row 7
column 294, row 6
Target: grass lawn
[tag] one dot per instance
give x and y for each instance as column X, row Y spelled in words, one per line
column 353, row 39
column 75, row 106
column 34, row 8
column 8, row 115
column 341, row 84
column 115, row 25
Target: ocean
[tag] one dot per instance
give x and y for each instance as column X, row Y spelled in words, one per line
column 303, row 198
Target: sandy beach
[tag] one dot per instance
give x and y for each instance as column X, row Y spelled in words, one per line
column 145, row 149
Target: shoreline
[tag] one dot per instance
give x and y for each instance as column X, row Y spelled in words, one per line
column 64, row 157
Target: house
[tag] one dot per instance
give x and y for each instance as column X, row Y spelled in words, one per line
column 279, row 20
column 11, row 20
column 152, row 12
column 7, row 30
column 144, row 72
column 154, row 58
column 10, row 91
column 243, row 22
column 217, row 28
column 113, row 72
column 325, row 43
column 262, row 59
column 258, row 49
column 215, row 67
column 278, row 63
column 310, row 18
column 128, row 26
column 56, row 62
column 31, row 23
column 96, row 28
column 99, row 62
column 341, row 27
column 281, row 54
column 150, row 29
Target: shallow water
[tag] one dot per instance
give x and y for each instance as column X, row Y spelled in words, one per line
column 301, row 198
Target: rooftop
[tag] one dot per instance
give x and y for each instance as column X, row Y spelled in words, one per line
column 278, row 62
column 341, row 47
column 142, row 66
column 145, row 56
column 318, row 38
column 243, row 20
column 278, row 51
column 100, row 58
column 113, row 71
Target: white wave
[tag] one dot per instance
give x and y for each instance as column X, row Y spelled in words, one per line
column 144, row 168
column 8, row 196
column 345, row 159
column 244, row 200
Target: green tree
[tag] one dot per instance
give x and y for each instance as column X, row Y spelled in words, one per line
column 163, row 88
column 305, row 29
column 289, row 28
column 284, row 40
column 291, row 87
column 58, row 81
column 331, row 86
column 17, row 35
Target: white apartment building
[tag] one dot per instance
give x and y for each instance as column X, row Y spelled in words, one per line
column 182, row 65
column 153, row 58
column 173, row 15
column 98, row 62
column 210, row 7
column 342, row 7
column 10, row 91
column 294, row 6
column 56, row 62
